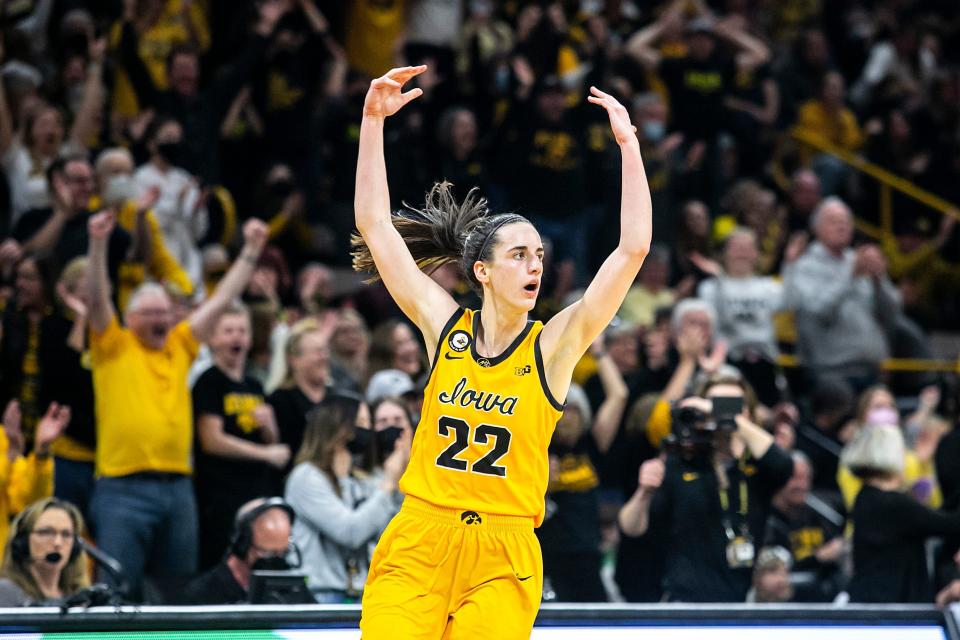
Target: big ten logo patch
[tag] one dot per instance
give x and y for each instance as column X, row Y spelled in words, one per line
column 242, row 405
column 521, row 371
column 459, row 341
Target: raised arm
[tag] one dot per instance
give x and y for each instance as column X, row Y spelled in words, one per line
column 568, row 334
column 753, row 51
column 640, row 45
column 86, row 124
column 615, row 393
column 101, row 309
column 421, row 299
column 203, row 319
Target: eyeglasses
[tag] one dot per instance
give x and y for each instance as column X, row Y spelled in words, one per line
column 153, row 313
column 49, row 533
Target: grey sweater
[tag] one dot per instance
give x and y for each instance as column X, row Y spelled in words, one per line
column 332, row 531
column 745, row 308
column 840, row 318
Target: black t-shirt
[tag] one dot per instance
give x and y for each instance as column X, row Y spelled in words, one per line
column 291, row 406
column 697, row 89
column 58, row 373
column 803, row 533
column 66, row 377
column 687, row 507
column 619, row 467
column 545, row 163
column 230, row 479
column 889, row 531
column 74, row 239
column 573, row 524
column 216, row 586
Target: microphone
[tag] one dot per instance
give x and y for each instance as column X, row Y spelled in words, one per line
column 110, row 564
column 53, row 557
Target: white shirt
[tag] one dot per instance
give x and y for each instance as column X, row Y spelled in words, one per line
column 181, row 221
column 28, row 184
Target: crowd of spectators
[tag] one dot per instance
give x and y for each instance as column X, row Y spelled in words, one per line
column 183, row 337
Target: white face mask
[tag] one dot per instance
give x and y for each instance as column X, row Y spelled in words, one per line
column 119, row 189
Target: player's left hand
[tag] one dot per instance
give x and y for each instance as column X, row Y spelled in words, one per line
column 623, row 130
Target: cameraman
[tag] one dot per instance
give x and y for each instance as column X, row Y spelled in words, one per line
column 711, row 497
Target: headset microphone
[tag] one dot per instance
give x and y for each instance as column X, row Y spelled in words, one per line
column 53, row 557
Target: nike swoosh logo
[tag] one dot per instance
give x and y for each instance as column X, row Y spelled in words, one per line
column 527, row 578
column 450, row 357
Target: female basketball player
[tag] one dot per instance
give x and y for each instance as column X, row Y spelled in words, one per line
column 461, row 560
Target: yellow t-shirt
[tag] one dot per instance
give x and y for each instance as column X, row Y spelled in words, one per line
column 23, row 481
column 485, row 426
column 840, row 129
column 154, row 47
column 914, row 472
column 373, row 27
column 143, row 409
column 640, row 305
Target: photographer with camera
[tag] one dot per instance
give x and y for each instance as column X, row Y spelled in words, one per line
column 710, row 494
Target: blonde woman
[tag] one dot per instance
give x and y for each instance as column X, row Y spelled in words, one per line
column 890, row 528
column 44, row 562
column 304, row 379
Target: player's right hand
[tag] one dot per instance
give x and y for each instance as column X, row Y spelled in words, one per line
column 651, row 474
column 384, row 98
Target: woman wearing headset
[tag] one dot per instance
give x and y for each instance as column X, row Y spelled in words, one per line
column 43, row 562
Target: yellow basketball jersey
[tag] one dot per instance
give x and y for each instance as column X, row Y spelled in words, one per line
column 485, row 426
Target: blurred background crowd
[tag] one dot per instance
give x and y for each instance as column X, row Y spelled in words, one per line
column 802, row 155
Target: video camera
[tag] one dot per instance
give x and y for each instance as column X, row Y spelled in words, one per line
column 693, row 433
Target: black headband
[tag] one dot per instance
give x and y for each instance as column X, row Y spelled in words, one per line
column 507, row 219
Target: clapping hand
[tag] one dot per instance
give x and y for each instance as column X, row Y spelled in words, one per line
column 51, row 426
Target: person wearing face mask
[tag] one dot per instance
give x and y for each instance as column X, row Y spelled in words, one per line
column 44, row 563
column 261, row 541
column 237, row 453
column 391, row 421
column 179, row 202
column 200, row 109
column 118, row 190
column 338, row 514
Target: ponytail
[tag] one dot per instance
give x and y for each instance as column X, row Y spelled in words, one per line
column 443, row 232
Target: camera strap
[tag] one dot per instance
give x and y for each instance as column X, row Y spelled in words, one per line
column 740, row 549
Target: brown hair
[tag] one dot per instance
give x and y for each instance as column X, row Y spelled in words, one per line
column 732, row 376
column 326, row 426
column 866, row 397
column 74, row 575
column 444, row 231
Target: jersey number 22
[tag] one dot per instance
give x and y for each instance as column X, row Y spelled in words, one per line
column 487, row 465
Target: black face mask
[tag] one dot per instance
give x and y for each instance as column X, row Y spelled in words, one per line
column 360, row 444
column 387, row 439
column 171, row 152
column 271, row 563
